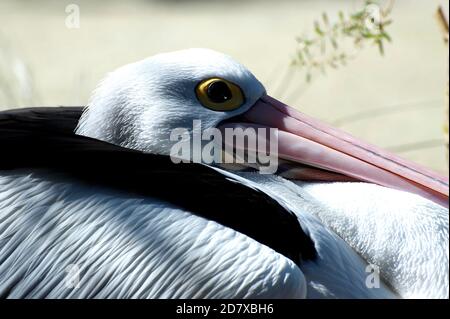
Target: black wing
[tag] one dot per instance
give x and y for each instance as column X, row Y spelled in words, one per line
column 43, row 138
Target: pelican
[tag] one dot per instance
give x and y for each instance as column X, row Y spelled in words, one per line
column 93, row 206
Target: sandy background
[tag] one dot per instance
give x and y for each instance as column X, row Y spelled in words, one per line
column 395, row 101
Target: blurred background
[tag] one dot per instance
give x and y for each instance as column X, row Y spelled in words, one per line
column 397, row 100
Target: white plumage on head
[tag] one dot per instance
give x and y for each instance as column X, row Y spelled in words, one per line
column 139, row 104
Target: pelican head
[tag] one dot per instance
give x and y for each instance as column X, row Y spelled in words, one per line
column 140, row 104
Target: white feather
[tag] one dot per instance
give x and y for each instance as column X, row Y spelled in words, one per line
column 126, row 247
column 405, row 235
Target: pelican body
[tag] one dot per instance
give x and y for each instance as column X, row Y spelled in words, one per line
column 93, row 205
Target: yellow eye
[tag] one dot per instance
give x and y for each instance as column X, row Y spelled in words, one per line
column 219, row 94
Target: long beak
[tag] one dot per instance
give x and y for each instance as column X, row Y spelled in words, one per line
column 307, row 141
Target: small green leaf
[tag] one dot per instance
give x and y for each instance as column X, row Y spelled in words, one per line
column 341, row 16
column 380, row 46
column 334, row 43
column 317, row 28
column 386, row 36
column 358, row 15
column 325, row 19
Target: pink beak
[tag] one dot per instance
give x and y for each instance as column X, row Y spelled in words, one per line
column 304, row 140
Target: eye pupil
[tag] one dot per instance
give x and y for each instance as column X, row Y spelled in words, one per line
column 219, row 92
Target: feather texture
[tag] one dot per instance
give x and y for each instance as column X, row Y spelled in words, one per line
column 125, row 246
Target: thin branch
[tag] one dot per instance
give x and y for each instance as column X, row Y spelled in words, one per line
column 328, row 46
column 443, row 22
